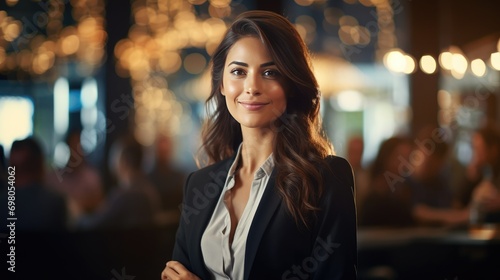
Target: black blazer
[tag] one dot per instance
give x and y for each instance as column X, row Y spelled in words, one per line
column 276, row 247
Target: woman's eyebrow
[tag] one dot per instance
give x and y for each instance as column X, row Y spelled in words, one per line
column 238, row 63
column 267, row 64
column 246, row 64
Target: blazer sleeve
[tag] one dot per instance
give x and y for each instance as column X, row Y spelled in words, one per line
column 335, row 247
column 180, row 252
column 201, row 194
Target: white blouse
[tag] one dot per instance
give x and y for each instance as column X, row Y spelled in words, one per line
column 224, row 260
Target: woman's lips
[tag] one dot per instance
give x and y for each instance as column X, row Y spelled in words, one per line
column 252, row 106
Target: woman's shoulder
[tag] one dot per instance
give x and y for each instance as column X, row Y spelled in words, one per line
column 214, row 171
column 337, row 161
column 339, row 170
column 338, row 164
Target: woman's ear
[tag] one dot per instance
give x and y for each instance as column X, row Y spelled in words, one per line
column 221, row 90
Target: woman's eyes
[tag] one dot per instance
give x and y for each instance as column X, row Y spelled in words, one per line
column 237, row 72
column 269, row 73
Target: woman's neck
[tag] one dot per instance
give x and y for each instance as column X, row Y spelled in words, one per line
column 257, row 146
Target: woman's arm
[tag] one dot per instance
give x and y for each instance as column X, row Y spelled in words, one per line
column 177, row 268
column 335, row 248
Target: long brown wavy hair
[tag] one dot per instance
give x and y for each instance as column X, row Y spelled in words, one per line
column 300, row 144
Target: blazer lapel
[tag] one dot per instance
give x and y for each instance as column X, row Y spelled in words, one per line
column 217, row 177
column 268, row 205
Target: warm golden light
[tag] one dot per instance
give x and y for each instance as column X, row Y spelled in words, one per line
column 48, row 46
column 459, row 63
column 194, row 63
column 154, row 48
column 304, row 2
column 219, row 12
column 367, row 3
column 444, row 99
column 348, row 20
column 170, row 62
column 350, row 100
column 308, row 22
column 145, row 134
column 478, row 67
column 43, row 45
column 428, row 64
column 495, row 60
column 364, row 35
column 70, row 44
column 301, row 30
column 333, row 15
column 197, row 2
column 309, row 25
column 445, row 60
column 354, row 35
column 409, row 64
column 43, row 62
column 12, row 31
column 395, row 61
column 141, row 16
column 486, row 232
column 11, row 2
column 2, row 55
column 220, row 3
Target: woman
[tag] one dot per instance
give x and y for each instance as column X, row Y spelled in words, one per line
column 274, row 204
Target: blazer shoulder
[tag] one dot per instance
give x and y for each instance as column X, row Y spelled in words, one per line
column 340, row 169
column 216, row 171
column 337, row 161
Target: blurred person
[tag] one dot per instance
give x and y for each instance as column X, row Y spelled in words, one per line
column 3, row 169
column 481, row 190
column 78, row 180
column 4, row 182
column 167, row 180
column 388, row 202
column 37, row 208
column 432, row 195
column 272, row 195
column 355, row 149
column 134, row 202
column 3, row 164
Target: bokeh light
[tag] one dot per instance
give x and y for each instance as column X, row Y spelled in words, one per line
column 495, row 60
column 478, row 67
column 395, row 61
column 445, row 60
column 428, row 64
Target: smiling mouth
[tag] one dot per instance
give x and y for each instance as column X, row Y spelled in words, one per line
column 252, row 105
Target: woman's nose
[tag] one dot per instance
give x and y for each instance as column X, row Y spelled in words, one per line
column 252, row 85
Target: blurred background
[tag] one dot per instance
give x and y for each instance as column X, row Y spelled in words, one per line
column 101, row 105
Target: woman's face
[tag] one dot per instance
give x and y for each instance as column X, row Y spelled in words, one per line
column 252, row 84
